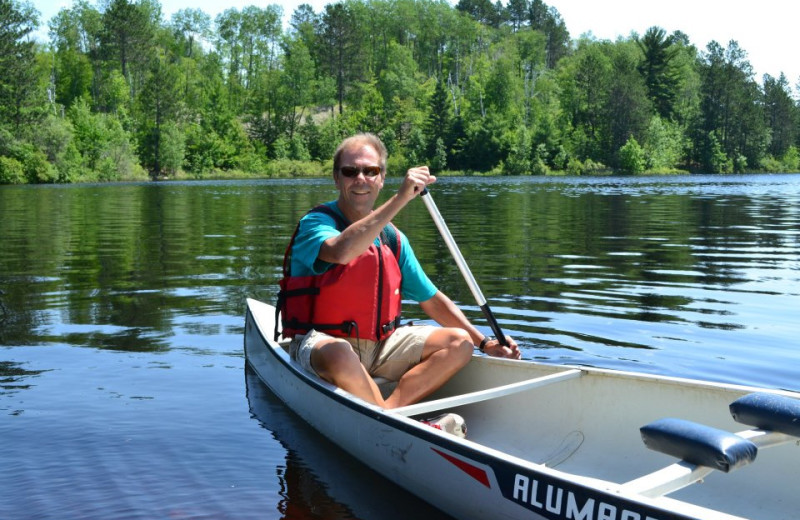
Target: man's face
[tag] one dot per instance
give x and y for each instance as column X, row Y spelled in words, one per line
column 358, row 194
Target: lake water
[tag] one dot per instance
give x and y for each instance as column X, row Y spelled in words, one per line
column 123, row 388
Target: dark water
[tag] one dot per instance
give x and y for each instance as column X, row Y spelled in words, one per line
column 123, row 392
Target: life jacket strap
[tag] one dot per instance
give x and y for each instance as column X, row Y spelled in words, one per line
column 392, row 325
column 346, row 326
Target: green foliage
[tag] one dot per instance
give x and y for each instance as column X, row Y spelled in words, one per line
column 56, row 139
column 127, row 38
column 115, row 95
column 159, row 103
column 664, row 145
column 538, row 161
column 548, row 20
column 205, row 150
column 330, row 133
column 483, row 11
column 173, row 148
column 791, row 160
column 284, row 168
column 37, row 169
column 298, row 150
column 715, row 159
column 416, row 147
column 21, row 95
column 588, row 167
column 478, row 87
column 518, row 161
column 730, row 108
column 25, row 162
column 398, row 79
column 781, row 113
column 189, row 26
column 632, row 157
column 439, row 158
column 89, row 132
column 105, row 148
column 11, row 171
column 772, row 165
column 659, row 69
column 74, row 76
column 629, row 110
column 585, row 81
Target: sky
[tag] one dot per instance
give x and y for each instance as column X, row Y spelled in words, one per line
column 764, row 29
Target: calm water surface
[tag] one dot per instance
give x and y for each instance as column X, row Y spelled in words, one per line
column 123, row 388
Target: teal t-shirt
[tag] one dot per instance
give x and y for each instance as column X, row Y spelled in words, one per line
column 316, row 227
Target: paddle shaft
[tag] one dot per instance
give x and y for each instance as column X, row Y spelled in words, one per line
column 462, row 266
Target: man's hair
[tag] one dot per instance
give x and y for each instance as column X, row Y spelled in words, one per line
column 362, row 139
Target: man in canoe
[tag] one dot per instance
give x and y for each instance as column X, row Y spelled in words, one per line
column 345, row 272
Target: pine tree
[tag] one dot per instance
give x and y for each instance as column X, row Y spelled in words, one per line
column 438, row 124
column 21, row 98
column 658, row 69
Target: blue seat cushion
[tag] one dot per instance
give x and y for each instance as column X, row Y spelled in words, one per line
column 768, row 412
column 699, row 444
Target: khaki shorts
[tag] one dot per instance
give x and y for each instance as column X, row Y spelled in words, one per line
column 390, row 358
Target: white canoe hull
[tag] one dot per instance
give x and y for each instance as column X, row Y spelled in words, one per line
column 543, row 441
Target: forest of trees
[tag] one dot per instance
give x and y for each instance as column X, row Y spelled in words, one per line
column 119, row 92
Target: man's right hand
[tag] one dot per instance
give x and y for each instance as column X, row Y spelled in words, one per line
column 415, row 181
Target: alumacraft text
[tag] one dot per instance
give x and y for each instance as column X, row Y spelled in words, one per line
column 564, row 503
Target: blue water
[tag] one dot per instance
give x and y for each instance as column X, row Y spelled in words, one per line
column 123, row 388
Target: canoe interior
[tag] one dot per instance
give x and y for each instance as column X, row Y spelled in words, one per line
column 589, row 426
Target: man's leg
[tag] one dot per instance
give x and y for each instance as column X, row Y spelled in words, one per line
column 446, row 351
column 335, row 361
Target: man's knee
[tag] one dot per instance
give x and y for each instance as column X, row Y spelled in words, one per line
column 334, row 357
column 461, row 344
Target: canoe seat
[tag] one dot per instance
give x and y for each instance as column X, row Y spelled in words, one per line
column 699, row 444
column 704, row 449
column 768, row 412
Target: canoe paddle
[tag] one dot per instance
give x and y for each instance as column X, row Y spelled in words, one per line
column 462, row 265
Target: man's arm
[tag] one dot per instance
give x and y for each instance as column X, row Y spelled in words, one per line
column 359, row 235
column 447, row 314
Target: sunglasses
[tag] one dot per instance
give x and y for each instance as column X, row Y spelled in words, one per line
column 353, row 171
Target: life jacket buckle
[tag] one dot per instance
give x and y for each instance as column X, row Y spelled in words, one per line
column 392, row 325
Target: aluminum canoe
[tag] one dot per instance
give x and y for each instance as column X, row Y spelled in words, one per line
column 561, row 442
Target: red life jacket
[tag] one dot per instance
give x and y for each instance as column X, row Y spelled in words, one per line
column 360, row 299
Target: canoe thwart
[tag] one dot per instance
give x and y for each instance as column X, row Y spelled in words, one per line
column 699, row 444
column 768, row 412
column 484, row 395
